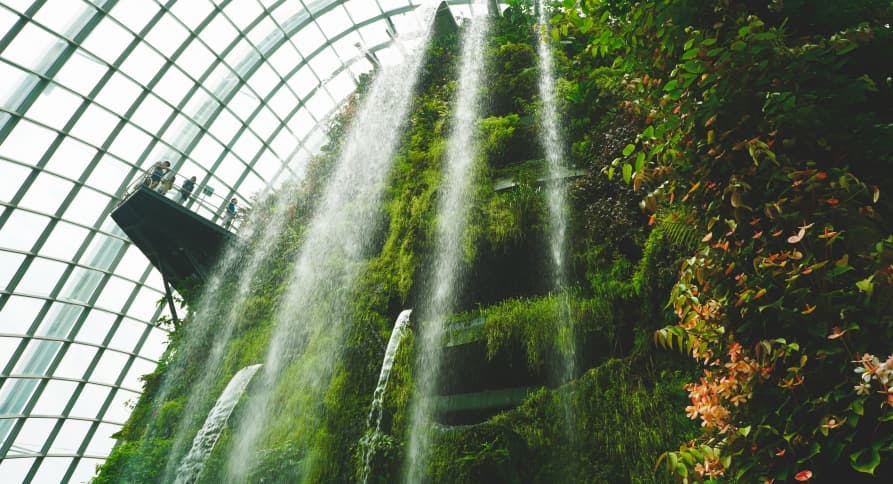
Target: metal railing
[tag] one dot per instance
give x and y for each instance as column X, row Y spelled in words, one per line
column 201, row 199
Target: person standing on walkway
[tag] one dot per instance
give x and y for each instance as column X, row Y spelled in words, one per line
column 158, row 171
column 186, row 189
column 230, row 213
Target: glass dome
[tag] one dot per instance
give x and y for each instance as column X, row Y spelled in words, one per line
column 92, row 94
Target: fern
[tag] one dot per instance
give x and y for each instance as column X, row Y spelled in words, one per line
column 678, row 224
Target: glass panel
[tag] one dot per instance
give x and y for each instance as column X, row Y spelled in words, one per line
column 167, row 35
column 219, row 34
column 15, row 469
column 34, row 49
column 119, row 93
column 142, row 64
column 243, row 13
column 86, row 469
column 70, row 436
column 151, row 114
column 88, row 403
column 96, row 327
column 59, row 320
column 115, row 294
column 34, row 434
column 193, row 12
column 334, row 21
column 264, row 123
column 64, row 16
column 109, row 175
column 81, row 284
column 52, row 469
column 121, row 406
column 22, row 230
column 173, row 86
column 309, row 39
column 16, row 317
column 40, row 277
column 14, row 176
column 109, row 368
column 107, row 40
column 130, row 144
column 95, row 125
column 127, row 335
column 86, row 207
column 46, row 193
column 265, row 33
column 133, row 264
column 264, row 80
column 54, row 107
column 9, row 263
column 14, row 85
column 135, row 14
column 64, row 241
column 196, row 59
column 225, row 126
column 285, row 59
column 7, row 347
column 146, row 303
column 81, row 72
column 284, row 143
column 102, row 442
column 247, row 148
column 27, row 143
column 54, row 397
column 75, row 362
column 71, row 158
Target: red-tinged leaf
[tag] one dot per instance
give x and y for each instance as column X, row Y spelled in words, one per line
column 730, row 268
column 760, row 293
column 652, row 219
column 777, row 233
column 710, row 121
column 707, row 237
column 758, row 234
column 796, row 255
column 803, row 475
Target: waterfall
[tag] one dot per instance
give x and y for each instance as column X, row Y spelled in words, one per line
column 217, row 316
column 191, row 467
column 375, row 413
column 455, row 194
column 555, row 192
column 313, row 313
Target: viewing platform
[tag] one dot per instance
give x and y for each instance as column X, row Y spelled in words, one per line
column 180, row 243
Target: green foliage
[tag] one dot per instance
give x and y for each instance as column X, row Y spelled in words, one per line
column 759, row 122
column 531, row 444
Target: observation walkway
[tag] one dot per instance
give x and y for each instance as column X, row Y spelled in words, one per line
column 531, row 172
column 179, row 242
column 500, row 383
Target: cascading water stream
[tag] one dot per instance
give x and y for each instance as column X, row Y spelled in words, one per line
column 219, row 322
column 455, row 196
column 375, row 413
column 312, row 316
column 556, row 194
column 191, row 467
